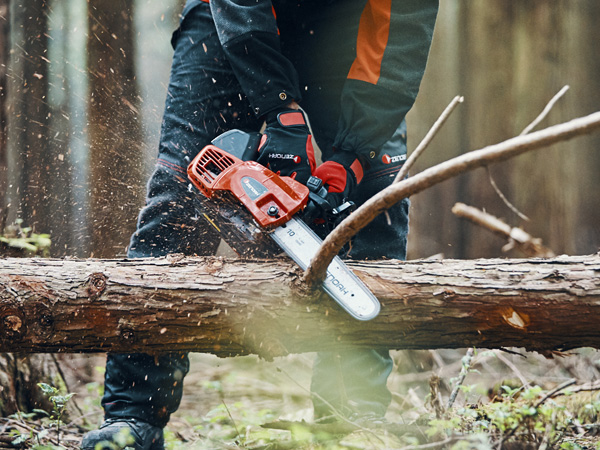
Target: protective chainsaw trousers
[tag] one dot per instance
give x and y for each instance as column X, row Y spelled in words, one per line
column 204, row 99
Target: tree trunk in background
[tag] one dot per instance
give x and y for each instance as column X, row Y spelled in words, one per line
column 41, row 137
column 36, row 197
column 58, row 149
column 4, row 58
column 114, row 127
column 487, row 48
column 585, row 54
column 578, row 163
column 29, row 132
column 554, row 45
column 509, row 58
column 19, row 375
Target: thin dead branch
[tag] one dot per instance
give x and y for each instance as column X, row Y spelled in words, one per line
column 441, row 172
column 592, row 386
column 428, row 138
column 517, row 237
column 512, row 367
column 527, row 129
column 545, row 111
column 465, row 367
column 506, row 201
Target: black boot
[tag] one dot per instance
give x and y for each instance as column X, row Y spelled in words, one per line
column 118, row 433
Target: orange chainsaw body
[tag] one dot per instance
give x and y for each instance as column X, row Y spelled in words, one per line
column 271, row 199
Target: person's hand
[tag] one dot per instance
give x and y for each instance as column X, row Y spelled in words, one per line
column 286, row 146
column 340, row 175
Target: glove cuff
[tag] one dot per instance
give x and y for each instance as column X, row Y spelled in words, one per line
column 286, row 117
column 350, row 162
column 342, row 173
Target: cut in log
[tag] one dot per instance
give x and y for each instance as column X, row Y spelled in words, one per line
column 231, row 307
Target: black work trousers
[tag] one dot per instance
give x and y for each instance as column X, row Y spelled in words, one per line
column 204, row 99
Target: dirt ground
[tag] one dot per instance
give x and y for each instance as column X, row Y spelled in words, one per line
column 226, row 400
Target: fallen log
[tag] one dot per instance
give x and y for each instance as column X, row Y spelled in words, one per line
column 232, row 307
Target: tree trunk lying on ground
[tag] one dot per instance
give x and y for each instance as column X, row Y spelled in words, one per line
column 230, row 307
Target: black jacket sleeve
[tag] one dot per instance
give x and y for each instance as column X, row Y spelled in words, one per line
column 392, row 50
column 248, row 32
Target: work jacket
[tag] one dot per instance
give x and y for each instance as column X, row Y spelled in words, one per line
column 392, row 46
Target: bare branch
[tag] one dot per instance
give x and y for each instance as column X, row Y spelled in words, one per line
column 555, row 391
column 428, row 138
column 527, row 129
column 512, row 367
column 465, row 367
column 507, row 202
column 441, row 172
column 545, row 111
column 529, row 245
column 591, row 386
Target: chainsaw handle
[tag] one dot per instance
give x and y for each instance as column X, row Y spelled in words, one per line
column 239, row 143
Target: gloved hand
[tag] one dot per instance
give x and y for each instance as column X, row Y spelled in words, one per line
column 286, row 146
column 340, row 175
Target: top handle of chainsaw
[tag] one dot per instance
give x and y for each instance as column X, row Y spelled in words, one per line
column 241, row 144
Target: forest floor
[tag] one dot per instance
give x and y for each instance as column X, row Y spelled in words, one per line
column 503, row 403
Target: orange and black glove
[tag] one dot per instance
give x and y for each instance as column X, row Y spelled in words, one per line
column 286, row 145
column 341, row 175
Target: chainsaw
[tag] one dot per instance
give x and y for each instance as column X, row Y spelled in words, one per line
column 257, row 212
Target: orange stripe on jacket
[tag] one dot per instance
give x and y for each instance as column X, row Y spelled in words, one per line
column 373, row 33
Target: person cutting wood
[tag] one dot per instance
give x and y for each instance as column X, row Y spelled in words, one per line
column 354, row 67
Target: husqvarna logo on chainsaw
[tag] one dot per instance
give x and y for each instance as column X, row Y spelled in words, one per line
column 294, row 158
column 387, row 159
column 253, row 188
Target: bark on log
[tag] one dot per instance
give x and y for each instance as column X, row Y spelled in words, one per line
column 230, row 307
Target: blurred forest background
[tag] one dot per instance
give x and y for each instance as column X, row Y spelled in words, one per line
column 83, row 83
